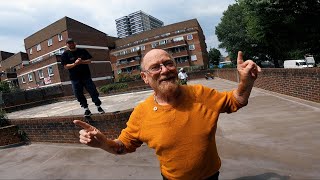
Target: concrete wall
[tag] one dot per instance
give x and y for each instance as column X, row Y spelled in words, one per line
column 62, row 129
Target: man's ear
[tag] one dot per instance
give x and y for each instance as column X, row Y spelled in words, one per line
column 144, row 77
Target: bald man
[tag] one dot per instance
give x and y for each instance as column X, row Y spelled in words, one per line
column 179, row 122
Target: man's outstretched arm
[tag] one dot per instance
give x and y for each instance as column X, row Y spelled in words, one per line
column 248, row 73
column 91, row 136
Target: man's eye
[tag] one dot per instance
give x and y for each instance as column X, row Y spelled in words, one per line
column 154, row 68
column 170, row 64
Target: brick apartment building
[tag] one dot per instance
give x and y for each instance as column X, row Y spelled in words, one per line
column 3, row 56
column 185, row 41
column 44, row 49
column 10, row 65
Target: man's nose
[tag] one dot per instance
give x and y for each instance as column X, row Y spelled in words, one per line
column 163, row 68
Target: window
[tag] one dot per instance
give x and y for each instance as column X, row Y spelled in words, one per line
column 190, row 37
column 23, row 80
column 50, row 42
column 191, row 47
column 163, row 42
column 40, row 73
column 60, row 38
column 193, row 57
column 30, row 51
column 142, row 48
column 50, row 71
column 30, row 77
column 178, row 39
column 38, row 47
column 153, row 45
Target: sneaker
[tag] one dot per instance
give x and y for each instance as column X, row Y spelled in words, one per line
column 87, row 113
column 101, row 111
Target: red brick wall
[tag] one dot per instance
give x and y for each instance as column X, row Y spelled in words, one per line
column 300, row 83
column 62, row 130
column 9, row 135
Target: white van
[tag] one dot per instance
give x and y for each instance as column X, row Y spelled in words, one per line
column 300, row 63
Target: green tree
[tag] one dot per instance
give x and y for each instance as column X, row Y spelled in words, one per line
column 214, row 56
column 231, row 31
column 271, row 29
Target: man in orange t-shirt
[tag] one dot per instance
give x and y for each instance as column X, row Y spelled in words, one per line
column 179, row 122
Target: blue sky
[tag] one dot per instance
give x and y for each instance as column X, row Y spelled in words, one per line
column 21, row 18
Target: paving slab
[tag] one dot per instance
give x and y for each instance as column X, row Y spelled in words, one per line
column 275, row 137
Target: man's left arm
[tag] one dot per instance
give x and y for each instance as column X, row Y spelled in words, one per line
column 87, row 57
column 87, row 61
column 248, row 73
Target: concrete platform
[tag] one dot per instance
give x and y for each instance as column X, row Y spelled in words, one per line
column 274, row 137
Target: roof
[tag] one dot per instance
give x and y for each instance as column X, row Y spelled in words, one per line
column 53, row 29
column 154, row 32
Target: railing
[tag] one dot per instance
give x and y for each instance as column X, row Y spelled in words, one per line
column 180, row 54
column 127, row 64
column 172, row 44
column 129, row 55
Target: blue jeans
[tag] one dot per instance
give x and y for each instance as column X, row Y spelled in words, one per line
column 77, row 86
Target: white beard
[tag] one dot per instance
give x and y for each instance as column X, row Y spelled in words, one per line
column 168, row 87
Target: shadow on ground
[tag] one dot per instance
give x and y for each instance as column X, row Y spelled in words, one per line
column 265, row 176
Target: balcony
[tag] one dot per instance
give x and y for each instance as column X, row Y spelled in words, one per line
column 127, row 64
column 180, row 54
column 172, row 44
column 129, row 55
column 183, row 64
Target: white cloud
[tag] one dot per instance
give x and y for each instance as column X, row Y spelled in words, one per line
column 21, row 18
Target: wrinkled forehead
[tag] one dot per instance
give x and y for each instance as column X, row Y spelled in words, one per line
column 155, row 58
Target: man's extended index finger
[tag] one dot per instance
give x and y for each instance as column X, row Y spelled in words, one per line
column 84, row 125
column 240, row 57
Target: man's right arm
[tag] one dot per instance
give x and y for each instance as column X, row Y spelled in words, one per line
column 94, row 138
column 69, row 66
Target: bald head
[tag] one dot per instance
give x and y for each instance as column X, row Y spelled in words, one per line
column 154, row 54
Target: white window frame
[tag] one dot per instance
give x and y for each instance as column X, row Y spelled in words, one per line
column 142, row 48
column 50, row 42
column 30, row 77
column 39, row 47
column 50, row 72
column 60, row 37
column 40, row 73
column 176, row 39
column 154, row 45
column 193, row 57
column 192, row 47
column 189, row 37
column 162, row 42
column 23, row 80
column 30, row 51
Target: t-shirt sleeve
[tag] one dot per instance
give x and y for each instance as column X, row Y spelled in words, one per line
column 86, row 55
column 222, row 101
column 64, row 59
column 130, row 135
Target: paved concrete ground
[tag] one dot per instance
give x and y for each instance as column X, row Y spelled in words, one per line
column 274, row 137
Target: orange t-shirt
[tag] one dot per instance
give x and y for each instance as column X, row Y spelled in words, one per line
column 182, row 136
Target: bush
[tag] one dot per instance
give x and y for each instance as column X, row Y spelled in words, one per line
column 125, row 77
column 113, row 87
column 5, row 87
column 3, row 118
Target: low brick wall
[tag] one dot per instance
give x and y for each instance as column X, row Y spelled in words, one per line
column 9, row 135
column 62, row 130
column 300, row 83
